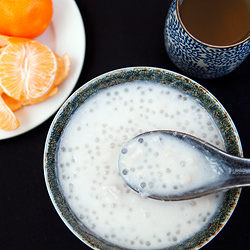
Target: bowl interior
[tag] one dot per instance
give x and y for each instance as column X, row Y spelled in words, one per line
column 184, row 84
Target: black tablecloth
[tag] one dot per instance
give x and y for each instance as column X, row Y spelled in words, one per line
column 118, row 34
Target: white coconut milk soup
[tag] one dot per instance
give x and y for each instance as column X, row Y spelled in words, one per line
column 88, row 172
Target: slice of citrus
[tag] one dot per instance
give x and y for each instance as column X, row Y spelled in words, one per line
column 27, row 69
column 12, row 103
column 29, row 73
column 53, row 91
column 63, row 68
column 15, row 105
column 8, row 120
column 16, row 40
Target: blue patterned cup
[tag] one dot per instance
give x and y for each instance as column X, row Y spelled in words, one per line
column 196, row 58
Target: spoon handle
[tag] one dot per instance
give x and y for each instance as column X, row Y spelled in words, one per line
column 240, row 167
column 236, row 169
column 233, row 165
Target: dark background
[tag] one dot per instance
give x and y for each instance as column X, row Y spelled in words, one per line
column 118, row 34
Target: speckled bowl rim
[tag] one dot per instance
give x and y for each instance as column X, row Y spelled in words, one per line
column 178, row 81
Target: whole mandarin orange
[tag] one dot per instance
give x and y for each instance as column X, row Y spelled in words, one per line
column 25, row 18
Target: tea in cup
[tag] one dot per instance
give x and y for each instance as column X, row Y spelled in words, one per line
column 208, row 39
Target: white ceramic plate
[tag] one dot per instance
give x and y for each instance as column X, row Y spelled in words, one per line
column 65, row 34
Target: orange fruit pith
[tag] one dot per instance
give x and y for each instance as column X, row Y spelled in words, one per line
column 25, row 18
column 27, row 70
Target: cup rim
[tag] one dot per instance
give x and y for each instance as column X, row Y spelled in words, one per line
column 178, row 2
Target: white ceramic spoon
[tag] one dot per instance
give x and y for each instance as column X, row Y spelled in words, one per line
column 170, row 165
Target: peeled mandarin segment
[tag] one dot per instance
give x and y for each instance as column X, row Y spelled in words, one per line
column 15, row 40
column 13, row 104
column 8, row 120
column 53, row 91
column 27, row 70
column 11, row 70
column 29, row 74
column 41, row 70
column 63, row 68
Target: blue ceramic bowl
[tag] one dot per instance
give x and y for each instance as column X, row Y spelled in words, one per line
column 184, row 84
